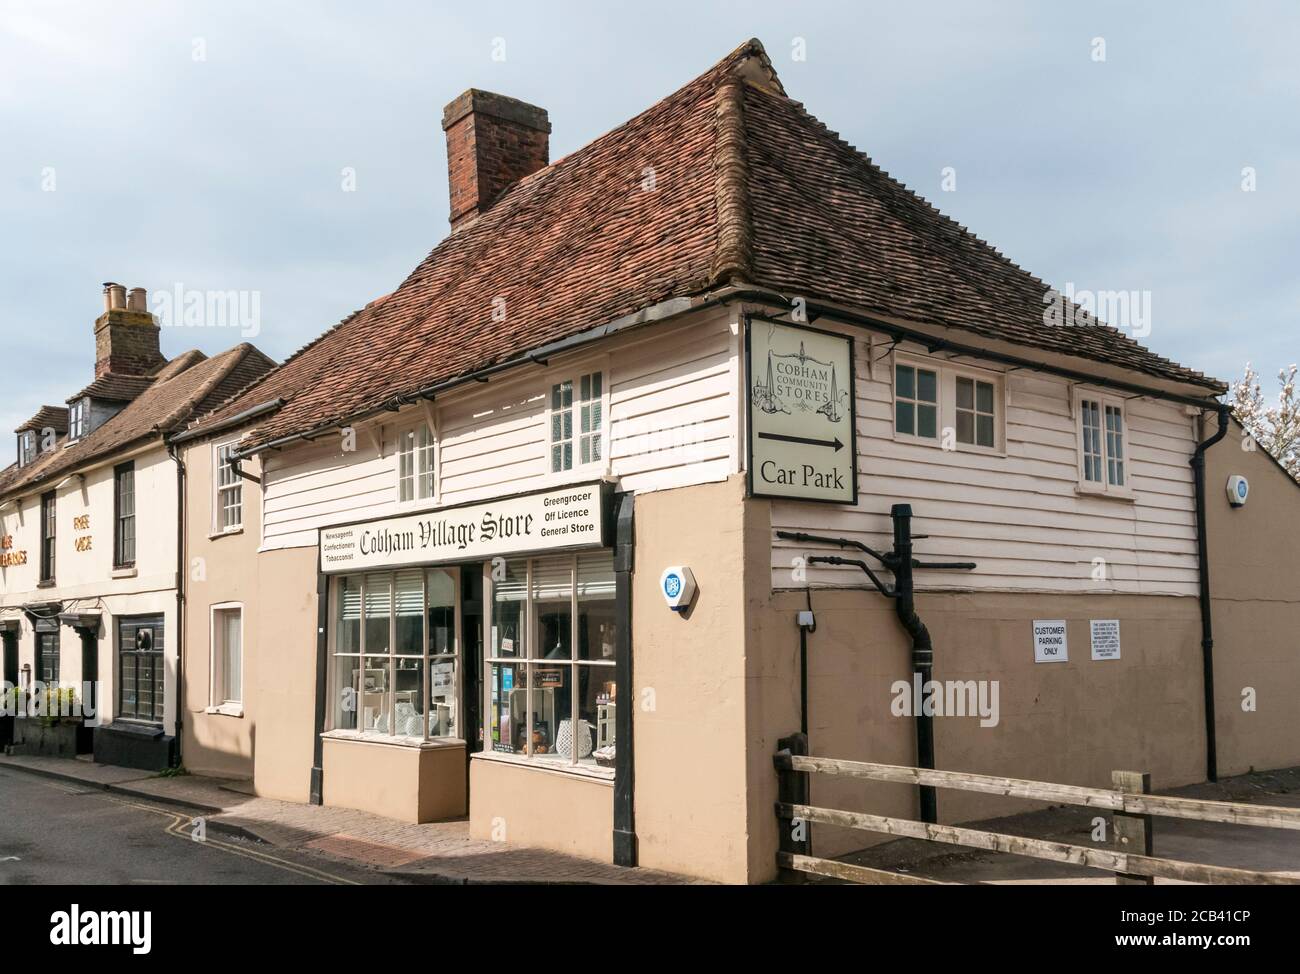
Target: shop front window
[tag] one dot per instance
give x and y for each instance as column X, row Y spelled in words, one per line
column 551, row 693
column 395, row 648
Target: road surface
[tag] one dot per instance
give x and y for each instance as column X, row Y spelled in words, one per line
column 60, row 832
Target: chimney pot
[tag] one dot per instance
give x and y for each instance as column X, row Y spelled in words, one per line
column 127, row 338
column 492, row 142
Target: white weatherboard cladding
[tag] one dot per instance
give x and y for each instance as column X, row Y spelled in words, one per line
column 675, row 404
column 670, row 422
column 1018, row 515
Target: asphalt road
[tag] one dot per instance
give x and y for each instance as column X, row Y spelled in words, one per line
column 58, row 832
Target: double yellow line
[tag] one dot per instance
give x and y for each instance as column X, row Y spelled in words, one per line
column 180, row 825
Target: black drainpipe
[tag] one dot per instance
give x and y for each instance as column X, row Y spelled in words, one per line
column 181, row 577
column 1207, row 624
column 901, row 562
column 922, row 647
column 625, row 844
column 316, row 787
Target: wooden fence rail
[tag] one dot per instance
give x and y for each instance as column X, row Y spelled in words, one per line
column 1130, row 801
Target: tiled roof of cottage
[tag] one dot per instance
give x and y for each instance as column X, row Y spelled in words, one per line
column 115, row 388
column 187, row 386
column 47, row 417
column 748, row 189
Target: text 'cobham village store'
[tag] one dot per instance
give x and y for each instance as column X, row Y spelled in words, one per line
column 492, row 622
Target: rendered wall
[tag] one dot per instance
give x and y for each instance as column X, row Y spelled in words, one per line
column 536, row 807
column 272, row 742
column 1255, row 584
column 411, row 784
column 692, row 684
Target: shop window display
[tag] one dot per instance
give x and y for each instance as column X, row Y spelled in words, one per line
column 551, row 693
column 395, row 654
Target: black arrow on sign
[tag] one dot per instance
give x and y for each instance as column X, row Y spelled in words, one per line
column 806, row 440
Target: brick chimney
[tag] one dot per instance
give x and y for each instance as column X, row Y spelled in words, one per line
column 127, row 339
column 492, row 142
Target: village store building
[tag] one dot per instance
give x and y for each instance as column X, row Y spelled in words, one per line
column 467, row 508
column 89, row 541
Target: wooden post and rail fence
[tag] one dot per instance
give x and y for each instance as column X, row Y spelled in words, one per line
column 1130, row 801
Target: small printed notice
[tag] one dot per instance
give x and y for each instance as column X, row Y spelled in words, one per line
column 1105, row 639
column 1050, row 643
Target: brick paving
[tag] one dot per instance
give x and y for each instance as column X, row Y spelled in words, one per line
column 437, row 852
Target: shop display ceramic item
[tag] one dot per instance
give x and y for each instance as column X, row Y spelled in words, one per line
column 564, row 739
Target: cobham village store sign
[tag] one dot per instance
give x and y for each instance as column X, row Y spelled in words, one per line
column 487, row 629
column 570, row 518
column 801, row 413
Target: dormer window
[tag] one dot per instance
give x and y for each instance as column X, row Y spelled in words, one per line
column 78, row 419
column 26, row 447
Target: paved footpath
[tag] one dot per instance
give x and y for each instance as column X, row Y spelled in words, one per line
column 438, row 852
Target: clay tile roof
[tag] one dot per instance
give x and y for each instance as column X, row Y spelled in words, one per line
column 172, row 400
column 49, row 417
column 115, row 388
column 748, row 189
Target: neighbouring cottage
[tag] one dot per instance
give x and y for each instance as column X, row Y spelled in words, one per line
column 528, row 538
column 90, row 518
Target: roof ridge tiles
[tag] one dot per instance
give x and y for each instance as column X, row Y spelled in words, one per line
column 733, row 254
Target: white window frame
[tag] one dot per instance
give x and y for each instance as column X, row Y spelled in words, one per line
column 27, row 452
column 1104, row 488
column 578, row 469
column 428, row 658
column 916, row 364
column 951, row 374
column 531, row 659
column 219, row 701
column 946, row 375
column 416, row 454
column 218, row 489
column 78, row 419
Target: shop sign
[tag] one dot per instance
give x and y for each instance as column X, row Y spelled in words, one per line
column 9, row 558
column 82, row 542
column 573, row 517
column 801, row 413
column 1050, row 641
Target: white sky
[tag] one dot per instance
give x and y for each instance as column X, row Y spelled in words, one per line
column 225, row 173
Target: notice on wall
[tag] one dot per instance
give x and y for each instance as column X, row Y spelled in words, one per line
column 1105, row 639
column 801, row 413
column 573, row 517
column 1050, row 643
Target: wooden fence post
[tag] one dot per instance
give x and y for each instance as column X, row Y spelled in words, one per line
column 1133, row 833
column 792, row 788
